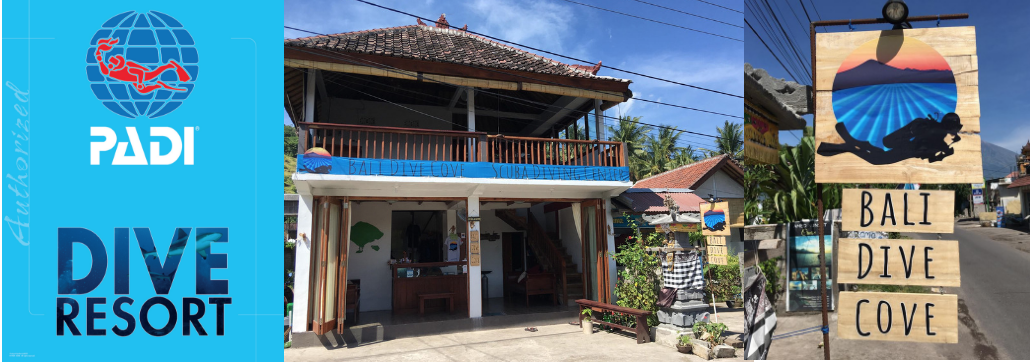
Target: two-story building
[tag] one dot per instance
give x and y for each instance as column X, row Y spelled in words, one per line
column 438, row 174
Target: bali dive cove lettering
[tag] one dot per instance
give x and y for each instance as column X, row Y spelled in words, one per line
column 317, row 162
column 73, row 316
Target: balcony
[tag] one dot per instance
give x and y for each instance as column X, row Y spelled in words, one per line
column 389, row 151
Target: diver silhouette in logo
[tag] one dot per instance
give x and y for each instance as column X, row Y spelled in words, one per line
column 119, row 68
column 922, row 138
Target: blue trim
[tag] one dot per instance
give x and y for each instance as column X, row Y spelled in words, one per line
column 407, row 168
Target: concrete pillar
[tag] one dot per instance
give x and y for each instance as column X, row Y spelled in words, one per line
column 302, row 265
column 475, row 272
column 309, row 96
column 599, row 120
column 471, row 108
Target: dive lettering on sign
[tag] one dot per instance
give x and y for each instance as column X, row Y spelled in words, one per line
column 899, row 262
column 902, row 317
column 898, row 211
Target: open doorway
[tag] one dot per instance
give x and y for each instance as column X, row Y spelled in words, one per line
column 418, row 236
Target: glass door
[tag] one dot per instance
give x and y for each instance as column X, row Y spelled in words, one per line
column 327, row 267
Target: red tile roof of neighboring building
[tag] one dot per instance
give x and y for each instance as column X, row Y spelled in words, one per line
column 652, row 202
column 693, row 175
column 444, row 43
column 1020, row 182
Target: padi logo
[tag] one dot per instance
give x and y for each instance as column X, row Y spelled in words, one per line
column 142, row 64
column 69, row 317
column 139, row 157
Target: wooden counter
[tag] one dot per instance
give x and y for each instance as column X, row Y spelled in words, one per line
column 406, row 290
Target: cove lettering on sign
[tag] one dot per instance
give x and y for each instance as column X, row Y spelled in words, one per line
column 898, row 262
column 902, row 317
column 898, row 210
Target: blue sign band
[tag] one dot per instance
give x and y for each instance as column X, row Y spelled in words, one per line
column 408, row 168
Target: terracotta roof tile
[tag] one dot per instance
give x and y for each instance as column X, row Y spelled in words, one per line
column 444, row 43
column 651, row 202
column 689, row 177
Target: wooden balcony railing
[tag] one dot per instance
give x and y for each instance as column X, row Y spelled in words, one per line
column 344, row 140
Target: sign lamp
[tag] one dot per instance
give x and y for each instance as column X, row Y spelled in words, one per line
column 895, row 11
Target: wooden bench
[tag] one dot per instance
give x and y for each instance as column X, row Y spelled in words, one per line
column 641, row 330
column 422, row 301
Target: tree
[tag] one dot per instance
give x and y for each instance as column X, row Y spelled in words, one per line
column 631, row 133
column 290, row 141
column 730, row 141
column 792, row 189
column 289, row 158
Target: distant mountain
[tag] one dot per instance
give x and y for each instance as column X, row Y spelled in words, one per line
column 997, row 161
column 873, row 72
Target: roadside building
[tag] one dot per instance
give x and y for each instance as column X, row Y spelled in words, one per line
column 1020, row 184
column 770, row 105
column 688, row 186
column 434, row 180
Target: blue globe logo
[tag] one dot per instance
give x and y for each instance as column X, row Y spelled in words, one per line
column 142, row 64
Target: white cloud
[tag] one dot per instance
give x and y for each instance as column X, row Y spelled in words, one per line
column 1014, row 139
column 539, row 24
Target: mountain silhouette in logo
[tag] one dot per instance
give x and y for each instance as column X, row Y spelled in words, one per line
column 873, row 72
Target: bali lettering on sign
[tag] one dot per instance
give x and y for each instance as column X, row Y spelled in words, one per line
column 898, row 210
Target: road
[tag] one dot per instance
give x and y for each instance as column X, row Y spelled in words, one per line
column 994, row 300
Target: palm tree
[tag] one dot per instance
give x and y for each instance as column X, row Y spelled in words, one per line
column 792, row 188
column 575, row 131
column 684, row 156
column 633, row 134
column 730, row 141
column 659, row 152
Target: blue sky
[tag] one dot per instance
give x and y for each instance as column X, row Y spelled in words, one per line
column 1003, row 47
column 590, row 34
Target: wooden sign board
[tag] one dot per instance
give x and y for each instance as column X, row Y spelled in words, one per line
column 898, row 210
column 715, row 218
column 474, row 260
column 761, row 136
column 717, row 259
column 717, row 250
column 899, row 262
column 716, row 240
column 897, row 106
column 474, row 235
column 474, row 247
column 903, row 317
column 474, row 219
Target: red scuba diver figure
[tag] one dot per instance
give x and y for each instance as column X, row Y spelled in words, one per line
column 128, row 71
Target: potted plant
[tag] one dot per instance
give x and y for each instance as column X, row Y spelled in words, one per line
column 684, row 345
column 588, row 325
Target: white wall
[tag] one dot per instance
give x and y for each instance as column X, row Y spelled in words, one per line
column 370, row 265
column 492, row 253
column 720, row 185
column 569, row 231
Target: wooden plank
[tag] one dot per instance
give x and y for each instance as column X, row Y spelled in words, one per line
column 899, row 262
column 719, row 227
column 898, row 210
column 717, row 260
column 957, row 47
column 735, row 214
column 716, row 240
column 717, row 250
column 911, row 317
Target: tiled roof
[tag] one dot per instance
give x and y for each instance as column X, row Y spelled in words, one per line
column 1020, row 182
column 652, row 202
column 443, row 43
column 690, row 176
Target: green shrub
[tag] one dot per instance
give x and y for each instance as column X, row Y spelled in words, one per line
column 723, row 281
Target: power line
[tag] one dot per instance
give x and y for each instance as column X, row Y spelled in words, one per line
column 770, row 51
column 691, row 14
column 784, row 31
column 774, row 37
column 551, row 82
column 816, row 12
column 802, row 2
column 542, row 51
column 652, row 20
column 386, row 67
column 721, row 6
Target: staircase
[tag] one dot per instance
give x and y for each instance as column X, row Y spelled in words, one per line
column 554, row 258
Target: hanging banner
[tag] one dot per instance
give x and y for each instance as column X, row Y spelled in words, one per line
column 804, row 278
column 761, row 137
column 898, row 210
column 899, row 262
column 759, row 320
column 318, row 161
column 623, row 221
column 903, row 317
column 684, row 228
column 715, row 218
column 897, row 106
